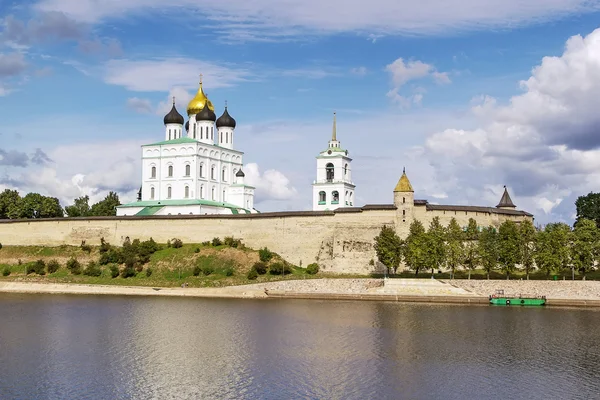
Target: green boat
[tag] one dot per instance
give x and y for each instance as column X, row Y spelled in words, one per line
column 500, row 299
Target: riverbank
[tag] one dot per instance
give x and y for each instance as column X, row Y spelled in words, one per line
column 558, row 293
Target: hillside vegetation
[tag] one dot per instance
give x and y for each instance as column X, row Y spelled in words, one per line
column 222, row 262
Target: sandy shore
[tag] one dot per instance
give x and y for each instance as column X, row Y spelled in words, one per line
column 563, row 293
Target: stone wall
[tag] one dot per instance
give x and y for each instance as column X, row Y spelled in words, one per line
column 340, row 241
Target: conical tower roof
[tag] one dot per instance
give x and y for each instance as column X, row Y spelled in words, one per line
column 403, row 184
column 506, row 201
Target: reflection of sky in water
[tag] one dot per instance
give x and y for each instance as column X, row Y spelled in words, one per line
column 59, row 347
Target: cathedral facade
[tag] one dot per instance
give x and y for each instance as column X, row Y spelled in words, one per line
column 195, row 169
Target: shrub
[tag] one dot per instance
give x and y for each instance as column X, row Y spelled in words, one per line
column 112, row 256
column 85, row 247
column 30, row 269
column 207, row 270
column 260, row 267
column 372, row 262
column 312, row 269
column 104, row 246
column 207, row 243
column 280, row 269
column 216, row 242
column 197, row 250
column 114, row 271
column 265, row 255
column 228, row 271
column 40, row 267
column 6, row 271
column 231, row 242
column 252, row 274
column 197, row 270
column 139, row 267
column 128, row 272
column 1, row 249
column 20, row 262
column 176, row 243
column 53, row 266
column 149, row 272
column 74, row 266
column 92, row 269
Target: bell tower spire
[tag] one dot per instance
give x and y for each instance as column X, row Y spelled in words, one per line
column 334, row 143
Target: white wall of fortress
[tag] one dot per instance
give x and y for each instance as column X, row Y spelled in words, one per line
column 341, row 242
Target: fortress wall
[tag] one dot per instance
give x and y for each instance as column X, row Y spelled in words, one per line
column 462, row 217
column 339, row 242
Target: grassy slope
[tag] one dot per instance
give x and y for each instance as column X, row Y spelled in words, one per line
column 170, row 267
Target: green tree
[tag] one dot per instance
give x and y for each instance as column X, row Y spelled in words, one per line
column 559, row 242
column 8, row 197
column 81, row 208
column 508, row 247
column 34, row 205
column 436, row 245
column 543, row 253
column 584, row 251
column 415, row 250
column 471, row 255
column 527, row 236
column 588, row 207
column 455, row 245
column 388, row 247
column 487, row 249
column 106, row 207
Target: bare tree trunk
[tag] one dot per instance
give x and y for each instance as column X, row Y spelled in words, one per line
column 469, row 273
column 488, row 275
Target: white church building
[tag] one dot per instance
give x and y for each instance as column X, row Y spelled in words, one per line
column 333, row 187
column 196, row 172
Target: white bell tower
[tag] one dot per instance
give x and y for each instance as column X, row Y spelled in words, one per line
column 333, row 187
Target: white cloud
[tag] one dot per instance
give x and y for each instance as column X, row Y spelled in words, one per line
column 270, row 185
column 403, row 72
column 360, row 71
column 162, row 74
column 544, row 143
column 261, row 19
column 142, row 106
column 12, row 64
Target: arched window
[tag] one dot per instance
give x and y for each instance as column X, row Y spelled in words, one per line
column 212, row 172
column 346, row 197
column 187, row 170
column 335, row 197
column 201, row 170
column 346, row 170
column 169, row 134
column 220, row 137
column 187, row 192
column 153, row 173
column 194, row 131
column 151, row 193
column 224, row 175
column 170, row 171
column 201, row 133
column 201, row 191
column 350, row 198
column 168, row 192
column 329, row 171
column 226, row 137
column 213, row 194
column 403, row 200
column 322, row 197
column 212, row 130
column 223, row 196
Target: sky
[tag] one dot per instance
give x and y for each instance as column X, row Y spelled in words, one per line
column 467, row 95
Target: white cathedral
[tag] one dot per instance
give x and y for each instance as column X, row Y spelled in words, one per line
column 196, row 173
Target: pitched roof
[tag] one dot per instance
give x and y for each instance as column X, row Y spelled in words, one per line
column 403, row 184
column 506, row 201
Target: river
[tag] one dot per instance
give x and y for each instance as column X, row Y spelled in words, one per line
column 104, row 347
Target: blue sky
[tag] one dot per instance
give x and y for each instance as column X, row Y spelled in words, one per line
column 435, row 87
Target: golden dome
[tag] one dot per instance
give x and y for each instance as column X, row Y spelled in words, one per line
column 403, row 184
column 197, row 103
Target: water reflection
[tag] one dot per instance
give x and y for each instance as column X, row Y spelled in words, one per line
column 57, row 347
